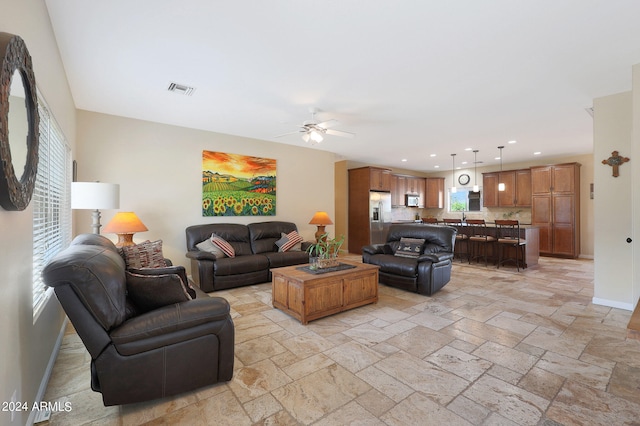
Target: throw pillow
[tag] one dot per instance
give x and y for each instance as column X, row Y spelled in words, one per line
column 223, row 245
column 409, row 247
column 147, row 254
column 179, row 270
column 290, row 242
column 149, row 292
column 208, row 246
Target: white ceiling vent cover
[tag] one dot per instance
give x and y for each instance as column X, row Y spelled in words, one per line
column 181, row 89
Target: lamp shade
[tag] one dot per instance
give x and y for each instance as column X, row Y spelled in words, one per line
column 95, row 195
column 321, row 218
column 125, row 223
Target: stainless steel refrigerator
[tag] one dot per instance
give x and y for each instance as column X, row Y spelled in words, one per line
column 379, row 216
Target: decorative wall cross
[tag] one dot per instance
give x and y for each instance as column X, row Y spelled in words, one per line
column 615, row 161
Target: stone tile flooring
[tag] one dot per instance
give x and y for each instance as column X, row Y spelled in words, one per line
column 493, row 347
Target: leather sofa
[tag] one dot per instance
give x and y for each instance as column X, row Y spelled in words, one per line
column 139, row 356
column 426, row 272
column 255, row 249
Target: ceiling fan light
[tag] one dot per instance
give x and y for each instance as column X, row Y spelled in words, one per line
column 305, row 137
column 316, row 136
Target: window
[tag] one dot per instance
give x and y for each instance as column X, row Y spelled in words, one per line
column 51, row 202
column 464, row 200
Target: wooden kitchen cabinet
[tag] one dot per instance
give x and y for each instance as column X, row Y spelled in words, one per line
column 434, row 193
column 379, row 179
column 398, row 189
column 490, row 189
column 402, row 185
column 555, row 208
column 517, row 191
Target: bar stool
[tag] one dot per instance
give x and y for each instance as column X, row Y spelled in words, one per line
column 508, row 232
column 461, row 237
column 431, row 220
column 478, row 239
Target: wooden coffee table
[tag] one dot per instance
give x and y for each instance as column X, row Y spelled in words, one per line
column 307, row 296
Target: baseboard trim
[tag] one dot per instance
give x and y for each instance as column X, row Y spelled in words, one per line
column 47, row 373
column 612, row 303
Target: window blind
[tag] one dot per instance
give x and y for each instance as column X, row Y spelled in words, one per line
column 51, row 201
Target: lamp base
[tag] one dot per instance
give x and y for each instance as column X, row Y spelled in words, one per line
column 125, row 240
column 320, row 232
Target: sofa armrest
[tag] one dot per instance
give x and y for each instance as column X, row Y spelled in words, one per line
column 200, row 255
column 373, row 249
column 436, row 257
column 171, row 324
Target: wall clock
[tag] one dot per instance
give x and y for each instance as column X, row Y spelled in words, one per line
column 464, row 179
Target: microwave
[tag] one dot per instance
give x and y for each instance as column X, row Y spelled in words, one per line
column 412, row 200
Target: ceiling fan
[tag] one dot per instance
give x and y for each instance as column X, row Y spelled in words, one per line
column 314, row 132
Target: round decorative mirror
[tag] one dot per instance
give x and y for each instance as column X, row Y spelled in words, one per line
column 19, row 123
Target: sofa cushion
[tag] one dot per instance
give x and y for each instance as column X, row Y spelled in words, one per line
column 396, row 265
column 97, row 275
column 208, row 246
column 147, row 254
column 265, row 234
column 149, row 292
column 180, row 270
column 223, row 245
column 240, row 265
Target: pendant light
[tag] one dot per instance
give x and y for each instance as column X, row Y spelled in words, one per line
column 453, row 174
column 476, row 188
column 501, row 186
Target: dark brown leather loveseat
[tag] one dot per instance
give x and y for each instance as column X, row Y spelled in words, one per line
column 428, row 270
column 255, row 249
column 139, row 356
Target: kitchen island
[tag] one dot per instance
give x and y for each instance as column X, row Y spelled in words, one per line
column 527, row 231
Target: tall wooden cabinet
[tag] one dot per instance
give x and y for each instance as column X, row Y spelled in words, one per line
column 555, row 209
column 361, row 181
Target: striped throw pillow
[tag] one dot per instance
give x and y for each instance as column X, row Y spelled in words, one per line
column 223, row 245
column 293, row 238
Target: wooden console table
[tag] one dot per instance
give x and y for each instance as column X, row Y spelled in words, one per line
column 307, row 296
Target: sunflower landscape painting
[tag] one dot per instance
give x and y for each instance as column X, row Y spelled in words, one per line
column 238, row 185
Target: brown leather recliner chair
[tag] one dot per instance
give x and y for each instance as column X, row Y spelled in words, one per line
column 426, row 272
column 139, row 357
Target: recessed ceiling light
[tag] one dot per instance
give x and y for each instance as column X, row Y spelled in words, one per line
column 512, row 141
column 497, row 158
column 464, row 162
column 436, row 167
column 432, row 155
column 468, row 149
column 404, row 160
column 537, row 153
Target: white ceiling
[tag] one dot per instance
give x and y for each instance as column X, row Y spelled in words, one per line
column 410, row 78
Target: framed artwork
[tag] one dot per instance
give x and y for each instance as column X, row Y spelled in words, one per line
column 238, row 185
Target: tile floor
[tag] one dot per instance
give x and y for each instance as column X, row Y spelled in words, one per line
column 494, row 347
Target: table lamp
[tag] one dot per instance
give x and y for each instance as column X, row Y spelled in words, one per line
column 95, row 196
column 125, row 224
column 321, row 219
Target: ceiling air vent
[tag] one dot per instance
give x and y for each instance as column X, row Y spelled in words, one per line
column 181, row 89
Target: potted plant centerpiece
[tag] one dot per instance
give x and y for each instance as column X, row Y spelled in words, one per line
column 324, row 253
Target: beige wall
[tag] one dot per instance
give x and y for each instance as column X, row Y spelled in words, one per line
column 26, row 347
column 586, row 204
column 159, row 169
column 613, row 201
